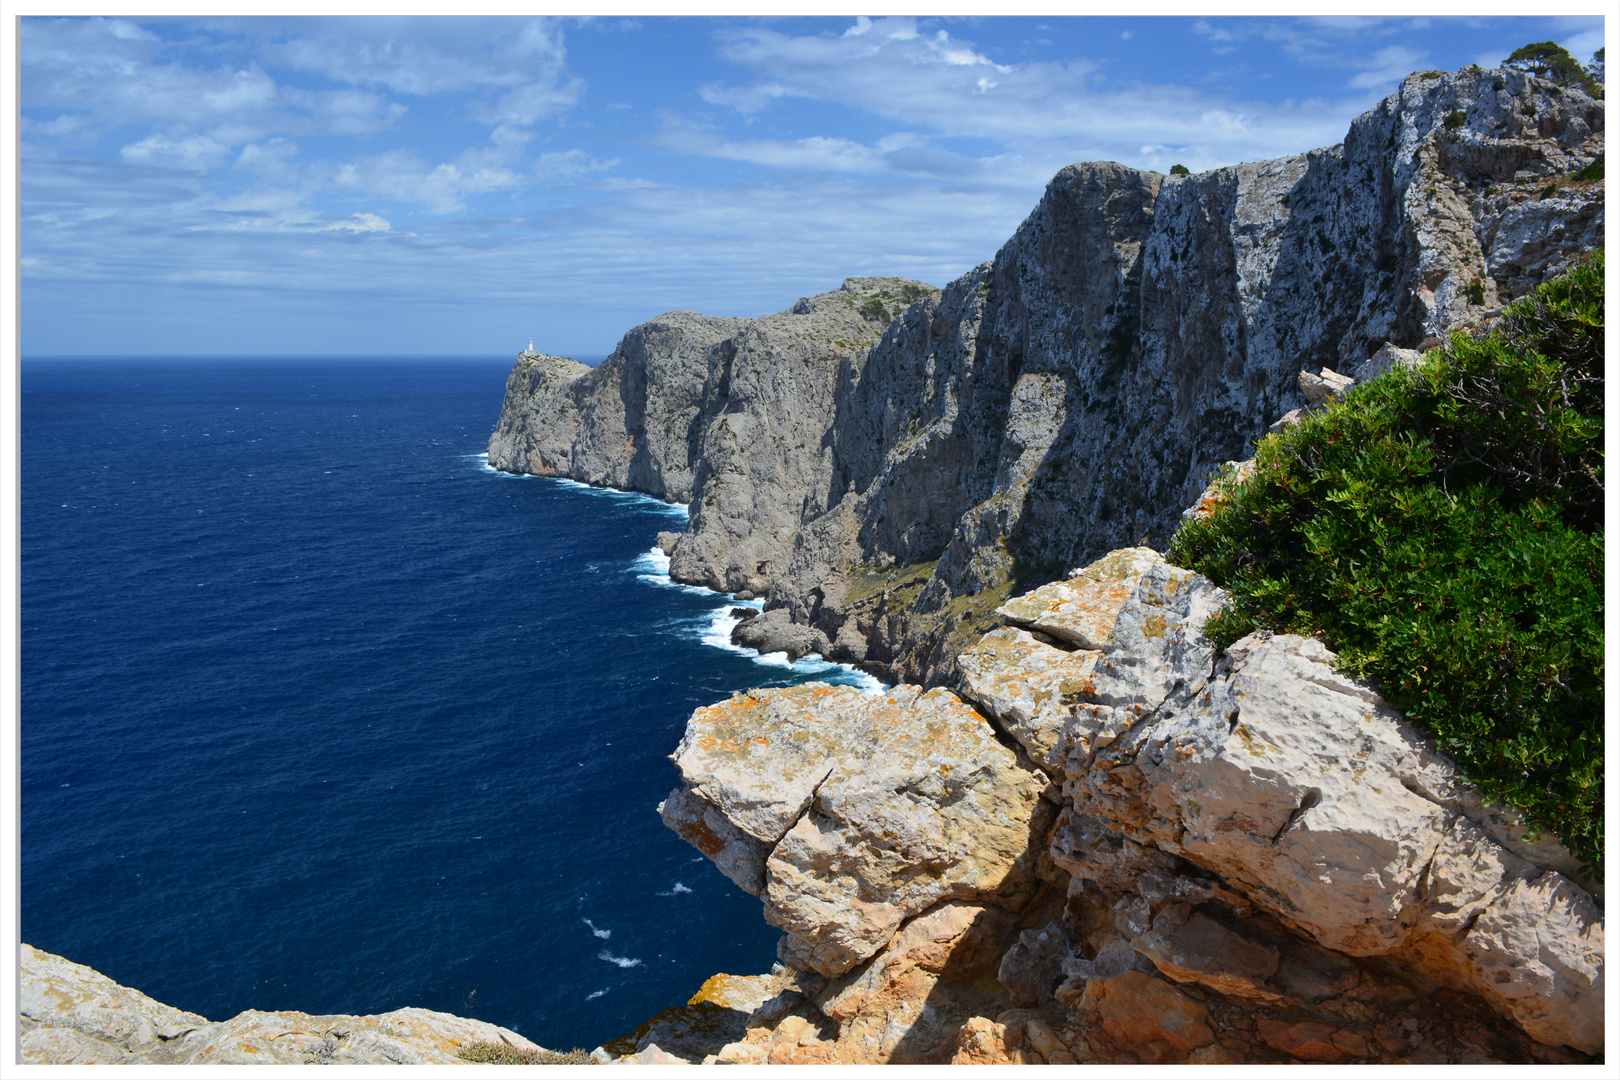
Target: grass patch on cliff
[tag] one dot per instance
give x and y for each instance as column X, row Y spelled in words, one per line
column 1442, row 531
column 866, row 580
column 500, row 1053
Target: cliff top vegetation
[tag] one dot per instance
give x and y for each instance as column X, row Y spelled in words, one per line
column 1441, row 529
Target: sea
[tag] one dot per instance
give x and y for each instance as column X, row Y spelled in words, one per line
column 320, row 712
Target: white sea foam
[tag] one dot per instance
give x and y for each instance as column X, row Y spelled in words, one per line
column 594, row 996
column 485, row 466
column 718, row 635
column 603, row 934
column 673, row 509
column 622, row 961
column 652, row 567
column 676, row 891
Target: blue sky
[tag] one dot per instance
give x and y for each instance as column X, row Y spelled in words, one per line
column 456, row 186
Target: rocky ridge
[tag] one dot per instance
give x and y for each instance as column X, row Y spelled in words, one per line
column 72, row 1015
column 887, row 483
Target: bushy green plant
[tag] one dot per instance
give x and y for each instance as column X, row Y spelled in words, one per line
column 1455, row 120
column 1441, row 529
column 1180, row 170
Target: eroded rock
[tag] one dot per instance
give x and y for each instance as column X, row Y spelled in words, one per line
column 73, row 1015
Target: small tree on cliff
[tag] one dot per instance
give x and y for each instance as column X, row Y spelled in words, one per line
column 1551, row 60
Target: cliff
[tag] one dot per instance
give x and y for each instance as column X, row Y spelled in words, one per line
column 1120, row 842
column 1083, row 834
column 888, row 483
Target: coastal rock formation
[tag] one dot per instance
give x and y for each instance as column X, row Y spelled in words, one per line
column 849, row 813
column 726, row 414
column 1072, row 395
column 1253, row 858
column 72, row 1015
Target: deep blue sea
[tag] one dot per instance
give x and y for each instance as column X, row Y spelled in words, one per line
column 321, row 713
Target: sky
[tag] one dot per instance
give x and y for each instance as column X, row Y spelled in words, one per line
column 449, row 186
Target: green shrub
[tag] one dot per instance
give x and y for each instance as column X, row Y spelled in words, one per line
column 874, row 311
column 1594, row 171
column 1442, row 531
column 500, row 1053
column 1476, row 293
column 1455, row 120
column 1180, row 170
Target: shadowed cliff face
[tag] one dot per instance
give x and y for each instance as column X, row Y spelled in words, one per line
column 1072, row 395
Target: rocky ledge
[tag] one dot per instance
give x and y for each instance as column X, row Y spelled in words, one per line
column 72, row 1015
column 1120, row 845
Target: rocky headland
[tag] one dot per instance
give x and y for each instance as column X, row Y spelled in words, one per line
column 1073, row 829
column 887, row 463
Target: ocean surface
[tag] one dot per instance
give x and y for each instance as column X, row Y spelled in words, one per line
column 319, row 712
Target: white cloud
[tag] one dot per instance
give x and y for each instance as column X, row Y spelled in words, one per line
column 269, row 158
column 746, row 100
column 402, row 176
column 901, row 153
column 424, row 56
column 198, row 152
column 1045, row 113
column 1384, row 70
column 532, row 102
column 360, row 223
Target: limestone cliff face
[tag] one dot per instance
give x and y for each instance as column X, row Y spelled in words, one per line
column 1119, row 846
column 728, row 415
column 1071, row 396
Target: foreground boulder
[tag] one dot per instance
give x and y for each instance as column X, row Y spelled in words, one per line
column 849, row 813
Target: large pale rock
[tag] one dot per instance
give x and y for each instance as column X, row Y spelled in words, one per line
column 1388, row 358
column 939, row 810
column 1157, row 648
column 1027, row 686
column 873, row 809
column 759, row 757
column 74, row 1015
column 1537, row 954
column 739, row 856
column 1081, row 609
